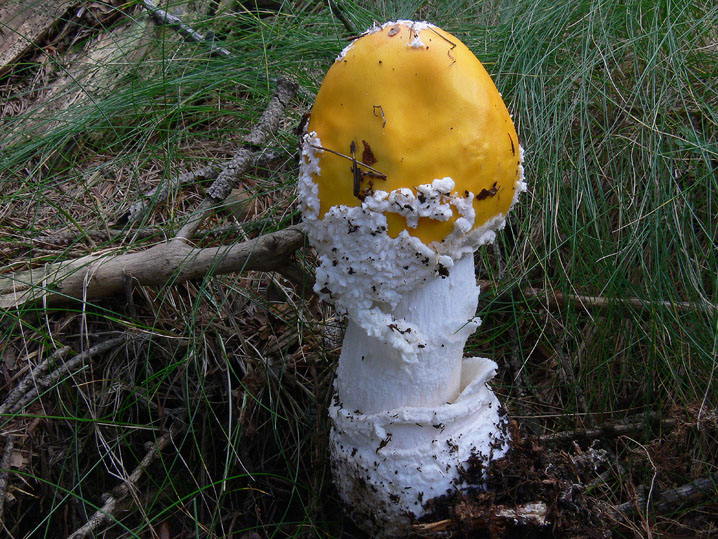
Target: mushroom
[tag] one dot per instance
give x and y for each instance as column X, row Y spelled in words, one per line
column 410, row 163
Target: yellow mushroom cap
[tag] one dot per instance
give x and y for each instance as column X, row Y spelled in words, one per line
column 413, row 104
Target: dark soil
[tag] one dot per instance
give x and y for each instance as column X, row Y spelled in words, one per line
column 542, row 490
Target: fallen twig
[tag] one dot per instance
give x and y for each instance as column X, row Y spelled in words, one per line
column 339, row 13
column 32, row 385
column 527, row 514
column 559, row 299
column 160, row 193
column 162, row 17
column 4, row 472
column 100, row 275
column 106, row 513
column 228, row 177
column 210, row 172
column 64, row 237
column 37, row 381
column 608, row 430
column 31, row 378
column 670, row 499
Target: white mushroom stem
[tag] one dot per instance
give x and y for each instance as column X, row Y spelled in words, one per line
column 411, row 416
column 435, row 319
column 409, row 421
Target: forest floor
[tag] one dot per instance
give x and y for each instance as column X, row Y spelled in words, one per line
column 187, row 401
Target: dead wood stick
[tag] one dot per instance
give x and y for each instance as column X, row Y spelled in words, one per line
column 160, row 193
column 613, row 430
column 209, row 172
column 100, row 275
column 60, row 238
column 23, row 24
column 339, row 13
column 559, row 299
column 4, row 473
column 228, row 177
column 64, row 237
column 527, row 514
column 106, row 513
column 670, row 499
column 36, row 382
column 20, row 389
column 162, row 17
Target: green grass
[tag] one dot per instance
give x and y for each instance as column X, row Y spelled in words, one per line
column 616, row 106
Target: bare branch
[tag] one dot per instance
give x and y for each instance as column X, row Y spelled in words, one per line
column 32, row 385
column 4, row 472
column 228, row 177
column 25, row 384
column 675, row 497
column 106, row 513
column 527, row 514
column 162, row 17
column 558, row 299
column 339, row 13
column 210, row 172
column 160, row 193
column 608, row 430
column 36, row 381
column 101, row 275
